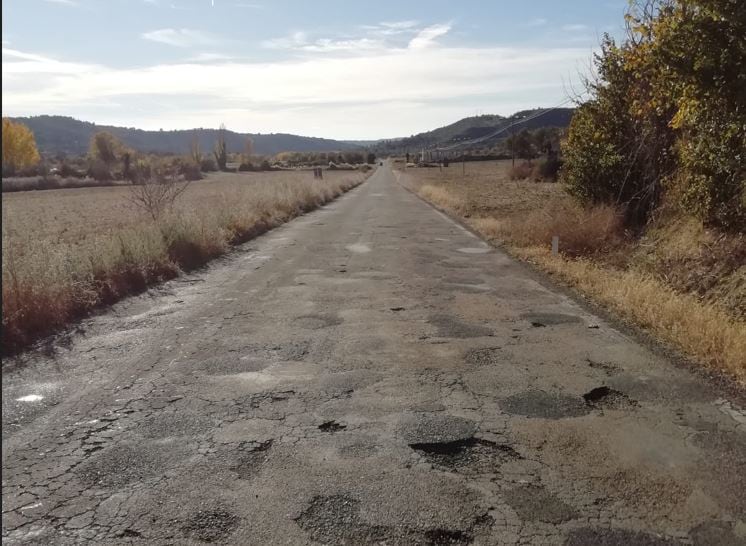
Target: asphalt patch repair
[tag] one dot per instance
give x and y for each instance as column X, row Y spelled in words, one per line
column 541, row 404
column 535, row 503
column 210, row 525
column 449, row 326
column 336, row 519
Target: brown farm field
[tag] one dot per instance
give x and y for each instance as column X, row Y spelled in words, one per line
column 684, row 284
column 67, row 251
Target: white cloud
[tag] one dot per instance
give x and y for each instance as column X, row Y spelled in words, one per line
column 179, row 37
column 385, row 92
column 574, row 28
column 70, row 3
column 427, row 36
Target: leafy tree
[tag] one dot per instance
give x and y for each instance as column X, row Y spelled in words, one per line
column 19, row 147
column 524, row 146
column 667, row 113
column 371, row 158
column 107, row 148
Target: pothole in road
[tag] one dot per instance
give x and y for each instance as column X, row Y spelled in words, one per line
column 541, row 404
column 471, row 455
column 540, row 320
column 608, row 398
column 535, row 503
column 336, row 519
column 591, row 536
column 252, row 456
column 449, row 326
column 331, row 426
column 317, row 321
column 483, row 356
column 210, row 525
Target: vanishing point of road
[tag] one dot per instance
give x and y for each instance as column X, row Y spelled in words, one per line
column 369, row 373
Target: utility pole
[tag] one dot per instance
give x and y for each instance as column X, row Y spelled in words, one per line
column 512, row 143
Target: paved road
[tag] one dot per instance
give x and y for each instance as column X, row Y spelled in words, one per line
column 370, row 373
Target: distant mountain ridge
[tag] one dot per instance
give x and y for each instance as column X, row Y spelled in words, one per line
column 476, row 127
column 66, row 135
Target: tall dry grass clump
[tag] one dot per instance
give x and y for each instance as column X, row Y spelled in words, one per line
column 442, row 197
column 582, row 231
column 47, row 284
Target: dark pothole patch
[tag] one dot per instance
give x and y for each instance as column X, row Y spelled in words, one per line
column 317, row 321
column 252, row 455
column 336, row 519
column 210, row 525
column 535, row 503
column 540, row 320
column 592, row 536
column 484, row 356
column 468, row 456
column 541, row 404
column 449, row 326
column 331, row 426
column 607, row 398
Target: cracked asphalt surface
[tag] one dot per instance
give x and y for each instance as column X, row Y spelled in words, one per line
column 370, row 373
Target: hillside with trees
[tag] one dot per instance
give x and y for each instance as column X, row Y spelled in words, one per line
column 475, row 127
column 65, row 135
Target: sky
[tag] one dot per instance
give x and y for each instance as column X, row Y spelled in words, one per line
column 327, row 68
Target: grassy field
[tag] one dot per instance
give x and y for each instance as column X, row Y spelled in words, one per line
column 67, row 251
column 683, row 283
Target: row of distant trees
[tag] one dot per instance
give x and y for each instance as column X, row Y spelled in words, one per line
column 109, row 158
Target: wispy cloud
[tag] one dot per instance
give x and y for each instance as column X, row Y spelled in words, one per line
column 299, row 41
column 574, row 28
column 179, row 37
column 71, row 3
column 427, row 36
column 538, row 22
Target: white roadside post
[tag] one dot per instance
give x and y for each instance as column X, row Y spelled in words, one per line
column 555, row 245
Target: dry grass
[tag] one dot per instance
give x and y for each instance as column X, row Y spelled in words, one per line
column 68, row 251
column 684, row 284
column 582, row 231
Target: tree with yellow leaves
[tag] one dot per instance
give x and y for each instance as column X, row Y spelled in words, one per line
column 19, row 147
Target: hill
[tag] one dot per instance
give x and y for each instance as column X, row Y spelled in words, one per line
column 66, row 135
column 462, row 132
